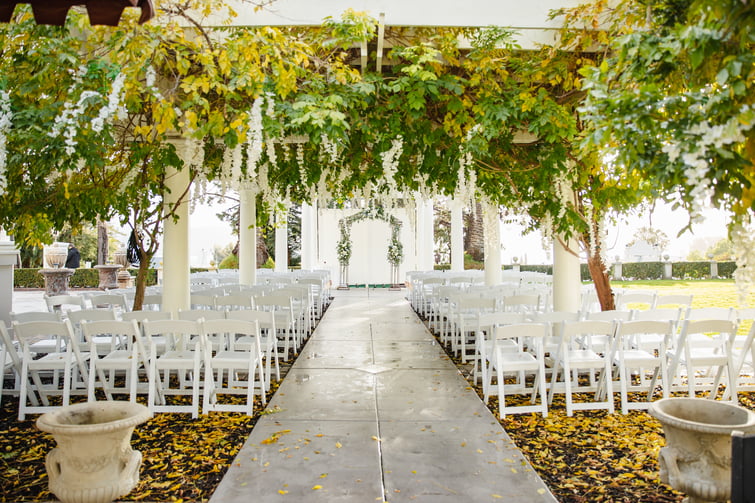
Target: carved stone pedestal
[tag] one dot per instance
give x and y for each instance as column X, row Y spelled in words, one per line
column 93, row 461
column 697, row 456
column 108, row 276
column 56, row 280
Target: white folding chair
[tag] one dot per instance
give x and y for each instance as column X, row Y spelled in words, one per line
column 202, row 301
column 43, row 371
column 637, row 300
column 486, row 324
column 103, row 342
column 673, row 300
column 573, row 356
column 128, row 358
column 41, row 345
column 631, row 354
column 152, row 301
column 115, row 301
column 11, row 359
column 521, row 363
column 268, row 339
column 140, row 316
column 522, row 303
column 282, row 307
column 65, row 303
column 182, row 355
column 234, row 301
column 466, row 310
column 241, row 362
column 704, row 346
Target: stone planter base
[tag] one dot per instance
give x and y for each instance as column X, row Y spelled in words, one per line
column 93, row 461
column 697, row 457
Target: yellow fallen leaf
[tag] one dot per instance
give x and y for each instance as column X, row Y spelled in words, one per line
column 323, row 475
column 281, row 491
column 315, row 488
column 497, row 496
column 338, row 445
column 513, row 470
column 541, row 491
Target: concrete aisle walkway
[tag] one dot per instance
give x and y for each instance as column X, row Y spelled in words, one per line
column 373, row 410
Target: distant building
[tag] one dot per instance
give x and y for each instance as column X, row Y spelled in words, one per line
column 642, row 251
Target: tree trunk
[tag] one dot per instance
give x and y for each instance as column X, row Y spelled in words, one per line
column 141, row 280
column 474, row 239
column 602, row 282
column 262, row 252
column 102, row 244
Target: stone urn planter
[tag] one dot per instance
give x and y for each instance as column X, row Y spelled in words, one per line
column 93, row 461
column 697, row 457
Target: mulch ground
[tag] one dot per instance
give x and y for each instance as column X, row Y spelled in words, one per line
column 590, row 457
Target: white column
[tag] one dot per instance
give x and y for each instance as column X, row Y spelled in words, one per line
column 281, row 241
column 176, row 270
column 492, row 231
column 247, row 236
column 8, row 259
column 457, row 236
column 309, row 236
column 567, row 285
column 429, row 237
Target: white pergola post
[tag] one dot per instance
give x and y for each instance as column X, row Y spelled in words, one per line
column 176, row 294
column 8, row 259
column 567, row 285
column 247, row 236
column 425, row 235
column 429, row 236
column 281, row 241
column 457, row 236
column 492, row 232
column 308, row 236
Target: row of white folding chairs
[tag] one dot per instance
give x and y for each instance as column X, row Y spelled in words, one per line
column 637, row 299
column 695, row 360
column 68, row 302
column 183, row 346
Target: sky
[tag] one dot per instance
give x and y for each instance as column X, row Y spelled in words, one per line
column 208, row 232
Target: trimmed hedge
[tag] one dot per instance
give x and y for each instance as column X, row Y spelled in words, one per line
column 82, row 278
column 640, row 270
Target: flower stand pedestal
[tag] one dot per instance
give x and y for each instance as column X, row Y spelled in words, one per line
column 108, row 276
column 93, row 461
column 56, row 280
column 697, row 457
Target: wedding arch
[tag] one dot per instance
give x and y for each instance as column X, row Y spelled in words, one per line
column 343, row 248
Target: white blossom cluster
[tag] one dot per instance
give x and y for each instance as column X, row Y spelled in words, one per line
column 329, row 149
column 113, row 107
column 300, row 163
column 272, row 157
column 150, row 77
column 6, row 117
column 254, row 143
column 390, row 160
column 466, row 184
column 693, row 150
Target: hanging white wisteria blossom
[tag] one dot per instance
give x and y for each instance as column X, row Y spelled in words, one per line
column 6, row 118
column 329, row 149
column 694, row 149
column 254, row 142
column 150, row 77
column 113, row 107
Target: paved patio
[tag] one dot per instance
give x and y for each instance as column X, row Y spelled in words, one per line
column 373, row 410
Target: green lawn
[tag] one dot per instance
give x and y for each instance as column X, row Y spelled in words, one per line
column 706, row 293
